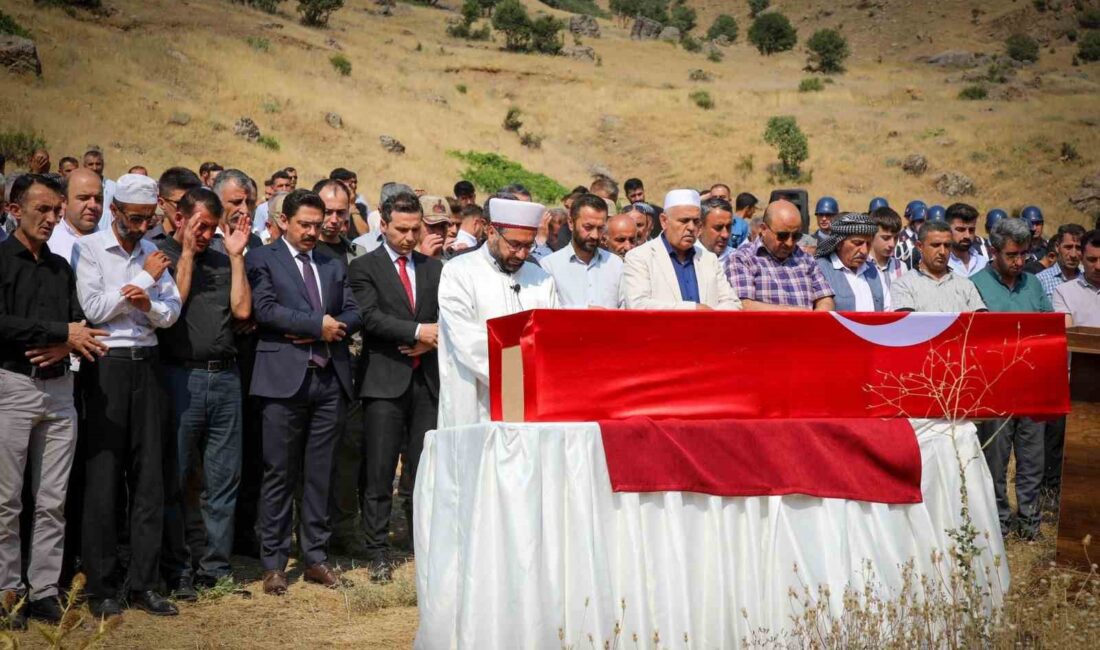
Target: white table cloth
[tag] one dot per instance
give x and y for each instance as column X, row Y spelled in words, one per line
column 519, row 538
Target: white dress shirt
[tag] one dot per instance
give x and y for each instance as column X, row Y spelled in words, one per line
column 259, row 220
column 466, row 238
column 581, row 285
column 410, row 267
column 977, row 263
column 108, row 196
column 294, row 252
column 102, row 268
column 63, row 240
column 369, row 241
column 860, row 285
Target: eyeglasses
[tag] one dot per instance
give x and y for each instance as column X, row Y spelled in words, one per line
column 794, row 235
column 138, row 218
column 518, row 247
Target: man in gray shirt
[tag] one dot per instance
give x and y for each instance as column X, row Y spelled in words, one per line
column 932, row 286
column 1080, row 298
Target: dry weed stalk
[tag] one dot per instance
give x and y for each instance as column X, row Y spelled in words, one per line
column 64, row 636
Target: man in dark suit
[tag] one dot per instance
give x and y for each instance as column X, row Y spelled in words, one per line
column 397, row 291
column 305, row 312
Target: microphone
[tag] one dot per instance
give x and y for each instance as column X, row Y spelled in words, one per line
column 515, row 287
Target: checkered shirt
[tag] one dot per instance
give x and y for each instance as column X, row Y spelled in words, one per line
column 756, row 275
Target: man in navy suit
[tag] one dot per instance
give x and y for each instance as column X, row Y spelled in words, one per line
column 306, row 315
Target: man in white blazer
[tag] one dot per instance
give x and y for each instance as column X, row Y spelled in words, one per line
column 673, row 271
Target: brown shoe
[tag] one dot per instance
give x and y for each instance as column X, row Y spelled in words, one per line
column 274, row 583
column 322, row 574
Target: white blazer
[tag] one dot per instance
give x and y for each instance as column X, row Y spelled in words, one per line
column 649, row 281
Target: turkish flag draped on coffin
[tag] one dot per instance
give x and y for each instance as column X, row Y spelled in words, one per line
column 594, row 365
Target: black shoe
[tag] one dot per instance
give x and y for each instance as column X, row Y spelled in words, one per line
column 46, row 609
column 203, row 581
column 18, row 620
column 183, row 591
column 380, row 571
column 104, row 607
column 153, row 603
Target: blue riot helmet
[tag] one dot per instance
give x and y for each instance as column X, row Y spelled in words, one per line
column 826, row 205
column 876, row 203
column 1032, row 214
column 937, row 213
column 916, row 211
column 992, row 217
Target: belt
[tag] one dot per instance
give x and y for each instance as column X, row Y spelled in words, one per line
column 133, row 353
column 36, row 372
column 217, row 365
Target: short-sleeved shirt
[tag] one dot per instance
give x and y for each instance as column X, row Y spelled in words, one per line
column 1025, row 295
column 1079, row 299
column 755, row 274
column 1052, row 277
column 919, row 291
column 204, row 330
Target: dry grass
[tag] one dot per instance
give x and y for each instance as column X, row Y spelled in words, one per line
column 117, row 88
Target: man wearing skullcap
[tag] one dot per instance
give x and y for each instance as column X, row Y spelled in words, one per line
column 673, row 271
column 842, row 257
column 495, row 280
column 125, row 288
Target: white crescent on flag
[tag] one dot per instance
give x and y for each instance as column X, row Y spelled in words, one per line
column 911, row 329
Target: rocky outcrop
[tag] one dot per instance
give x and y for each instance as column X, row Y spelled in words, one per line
column 582, row 25
column 247, row 129
column 645, row 29
column 19, row 55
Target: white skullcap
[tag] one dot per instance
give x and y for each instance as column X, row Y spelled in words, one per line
column 136, row 189
column 515, row 214
column 681, row 197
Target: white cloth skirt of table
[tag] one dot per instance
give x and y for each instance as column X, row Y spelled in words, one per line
column 520, row 543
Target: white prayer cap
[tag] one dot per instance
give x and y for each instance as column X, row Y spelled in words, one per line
column 515, row 214
column 136, row 189
column 681, row 197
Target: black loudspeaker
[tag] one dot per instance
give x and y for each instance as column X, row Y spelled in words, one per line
column 799, row 198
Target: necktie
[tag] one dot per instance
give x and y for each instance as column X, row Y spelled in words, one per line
column 316, row 353
column 403, row 273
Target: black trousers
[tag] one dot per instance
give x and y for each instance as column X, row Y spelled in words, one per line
column 124, row 455
column 390, row 427
column 300, row 435
column 1054, row 442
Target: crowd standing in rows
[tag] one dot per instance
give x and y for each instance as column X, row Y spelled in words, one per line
column 190, row 370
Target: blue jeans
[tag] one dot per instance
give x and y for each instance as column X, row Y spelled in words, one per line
column 207, row 425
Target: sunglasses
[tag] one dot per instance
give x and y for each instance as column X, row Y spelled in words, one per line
column 788, row 236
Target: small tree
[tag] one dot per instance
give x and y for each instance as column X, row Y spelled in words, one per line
column 546, row 34
column 316, row 13
column 624, row 9
column 511, row 18
column 1088, row 47
column 772, row 33
column 1022, row 48
column 828, row 50
column 724, row 25
column 783, row 133
column 683, row 18
column 487, row 6
column 757, row 7
column 654, row 10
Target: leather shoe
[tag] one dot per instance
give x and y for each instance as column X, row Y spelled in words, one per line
column 322, row 574
column 46, row 609
column 380, row 571
column 274, row 583
column 153, row 603
column 104, row 607
column 183, row 590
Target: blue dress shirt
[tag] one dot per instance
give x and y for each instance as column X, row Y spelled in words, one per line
column 685, row 273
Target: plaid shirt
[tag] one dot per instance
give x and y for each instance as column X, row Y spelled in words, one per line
column 1052, row 277
column 756, row 275
column 906, row 250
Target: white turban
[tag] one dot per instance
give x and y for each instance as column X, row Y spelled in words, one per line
column 507, row 213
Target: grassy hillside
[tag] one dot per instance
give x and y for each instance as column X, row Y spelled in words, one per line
column 116, row 82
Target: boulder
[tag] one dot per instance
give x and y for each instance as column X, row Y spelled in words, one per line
column 582, row 25
column 915, row 164
column 1087, row 196
column 246, row 129
column 334, row 120
column 698, row 74
column 179, row 119
column 645, row 29
column 391, row 144
column 955, row 184
column 332, row 43
column 19, row 55
column 581, row 53
column 670, row 34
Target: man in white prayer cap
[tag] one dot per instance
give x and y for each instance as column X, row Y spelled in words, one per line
column 674, row 271
column 491, row 281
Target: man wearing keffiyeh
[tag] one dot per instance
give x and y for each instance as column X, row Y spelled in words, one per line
column 842, row 257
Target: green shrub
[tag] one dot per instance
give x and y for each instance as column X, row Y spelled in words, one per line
column 588, row 7
column 811, row 85
column 511, row 119
column 828, row 50
column 18, row 146
column 772, row 33
column 1022, row 48
column 690, row 44
column 511, row 18
column 715, row 55
column 973, row 92
column 270, row 6
column 489, row 172
column 683, row 18
column 757, row 7
column 259, row 43
column 9, row 26
column 341, row 64
column 269, row 142
column 652, row 9
column 531, row 140
column 70, row 4
column 1088, row 47
column 702, row 99
column 546, row 35
column 488, row 6
column 724, row 25
column 316, row 13
column 461, row 88
column 1089, row 18
column 790, row 142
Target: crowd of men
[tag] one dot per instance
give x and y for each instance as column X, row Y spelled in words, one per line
column 190, row 371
